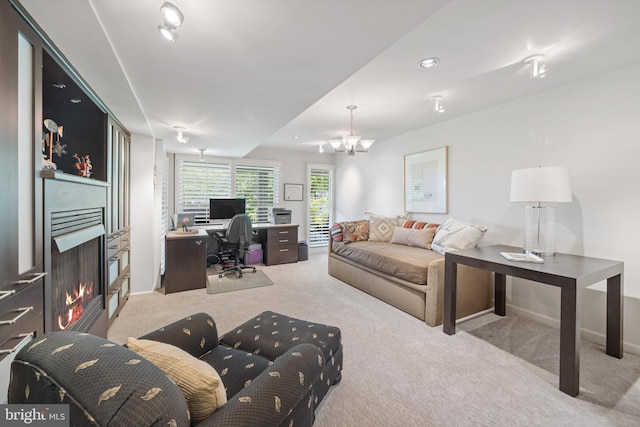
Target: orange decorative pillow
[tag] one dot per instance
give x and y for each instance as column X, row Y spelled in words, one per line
column 353, row 231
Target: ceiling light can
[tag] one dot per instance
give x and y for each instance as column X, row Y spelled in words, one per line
column 428, row 62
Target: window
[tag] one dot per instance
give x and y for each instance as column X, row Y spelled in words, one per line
column 198, row 181
column 259, row 185
column 320, row 184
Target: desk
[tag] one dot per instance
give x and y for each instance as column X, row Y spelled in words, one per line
column 279, row 241
column 571, row 273
column 185, row 261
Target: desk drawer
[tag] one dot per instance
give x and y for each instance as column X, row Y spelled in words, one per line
column 281, row 254
column 282, row 235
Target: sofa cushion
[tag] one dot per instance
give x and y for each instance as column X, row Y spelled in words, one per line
column 237, row 367
column 419, row 238
column 403, row 262
column 381, row 227
column 456, row 235
column 422, row 238
column 199, row 382
column 336, row 232
column 354, row 231
column 411, row 223
column 102, row 382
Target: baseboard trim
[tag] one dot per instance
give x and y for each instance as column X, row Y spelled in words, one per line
column 588, row 334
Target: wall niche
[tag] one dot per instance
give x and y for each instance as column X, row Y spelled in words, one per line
column 83, row 123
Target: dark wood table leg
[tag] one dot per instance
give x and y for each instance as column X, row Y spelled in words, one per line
column 500, row 294
column 570, row 340
column 449, row 309
column 614, row 316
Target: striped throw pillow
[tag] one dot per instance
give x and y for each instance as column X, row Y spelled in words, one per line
column 336, row 232
column 418, row 225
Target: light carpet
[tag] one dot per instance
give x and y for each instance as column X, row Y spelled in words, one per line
column 230, row 282
column 400, row 372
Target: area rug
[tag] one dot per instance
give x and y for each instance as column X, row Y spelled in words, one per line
column 230, row 282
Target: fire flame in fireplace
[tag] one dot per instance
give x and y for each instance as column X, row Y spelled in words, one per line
column 74, row 304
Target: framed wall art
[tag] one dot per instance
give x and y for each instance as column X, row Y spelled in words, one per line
column 425, row 181
column 293, row 192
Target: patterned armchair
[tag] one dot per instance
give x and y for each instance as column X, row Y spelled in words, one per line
column 108, row 384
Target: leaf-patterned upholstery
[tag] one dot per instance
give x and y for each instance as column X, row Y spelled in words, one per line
column 271, row 334
column 108, row 384
column 103, row 382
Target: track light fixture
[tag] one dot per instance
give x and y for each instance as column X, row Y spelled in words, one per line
column 202, row 150
column 538, row 65
column 437, row 104
column 173, row 18
column 181, row 138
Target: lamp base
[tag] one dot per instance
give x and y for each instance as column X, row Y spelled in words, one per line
column 539, row 232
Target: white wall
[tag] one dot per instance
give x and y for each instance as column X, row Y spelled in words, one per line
column 145, row 204
column 591, row 126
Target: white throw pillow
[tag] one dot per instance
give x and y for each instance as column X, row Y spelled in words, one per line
column 456, row 235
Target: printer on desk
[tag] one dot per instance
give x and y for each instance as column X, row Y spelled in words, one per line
column 280, row 216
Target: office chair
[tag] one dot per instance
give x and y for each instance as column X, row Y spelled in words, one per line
column 234, row 245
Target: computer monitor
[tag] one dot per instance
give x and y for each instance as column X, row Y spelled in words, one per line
column 222, row 209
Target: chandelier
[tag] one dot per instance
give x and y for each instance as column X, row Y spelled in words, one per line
column 351, row 143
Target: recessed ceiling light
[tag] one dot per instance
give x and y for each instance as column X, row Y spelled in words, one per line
column 429, row 62
column 296, row 137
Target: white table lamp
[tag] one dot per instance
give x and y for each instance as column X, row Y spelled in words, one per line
column 537, row 185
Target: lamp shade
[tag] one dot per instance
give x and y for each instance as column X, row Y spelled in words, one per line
column 542, row 184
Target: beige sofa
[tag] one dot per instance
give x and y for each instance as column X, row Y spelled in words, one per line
column 409, row 278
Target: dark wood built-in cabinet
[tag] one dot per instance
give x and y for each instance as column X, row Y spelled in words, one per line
column 21, row 254
column 40, row 204
column 118, row 249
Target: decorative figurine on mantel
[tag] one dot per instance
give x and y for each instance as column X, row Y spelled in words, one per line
column 48, row 148
column 82, row 165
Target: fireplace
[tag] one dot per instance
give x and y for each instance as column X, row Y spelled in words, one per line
column 75, row 269
column 75, row 254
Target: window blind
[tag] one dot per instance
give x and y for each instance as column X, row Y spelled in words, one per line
column 197, row 182
column 164, row 224
column 320, row 203
column 259, row 185
column 256, row 181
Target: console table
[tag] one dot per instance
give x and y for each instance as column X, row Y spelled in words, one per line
column 571, row 273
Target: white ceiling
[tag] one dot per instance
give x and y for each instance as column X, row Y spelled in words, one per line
column 246, row 73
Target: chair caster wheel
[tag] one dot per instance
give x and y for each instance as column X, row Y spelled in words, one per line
column 254, row 269
column 219, row 276
column 239, row 275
